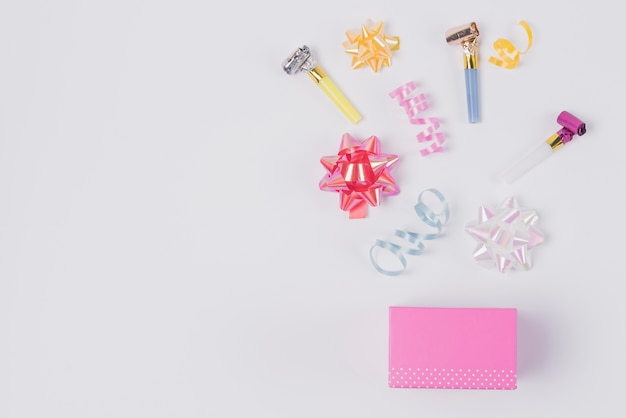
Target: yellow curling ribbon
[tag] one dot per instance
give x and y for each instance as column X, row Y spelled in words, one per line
column 371, row 47
column 508, row 52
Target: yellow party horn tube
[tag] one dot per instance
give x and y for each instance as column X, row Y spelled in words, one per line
column 302, row 60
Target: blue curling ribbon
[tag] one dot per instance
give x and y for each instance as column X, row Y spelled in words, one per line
column 430, row 218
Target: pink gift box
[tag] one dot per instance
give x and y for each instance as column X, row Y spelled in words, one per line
column 453, row 348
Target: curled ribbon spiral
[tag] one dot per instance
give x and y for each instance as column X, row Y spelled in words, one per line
column 429, row 217
column 413, row 107
column 508, row 53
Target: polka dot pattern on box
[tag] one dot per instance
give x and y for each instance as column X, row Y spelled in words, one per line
column 452, row 378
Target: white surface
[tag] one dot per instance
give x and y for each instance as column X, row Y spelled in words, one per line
column 165, row 250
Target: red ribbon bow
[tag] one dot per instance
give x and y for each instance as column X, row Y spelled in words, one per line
column 360, row 174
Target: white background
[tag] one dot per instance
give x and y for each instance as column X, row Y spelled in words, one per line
column 165, row 250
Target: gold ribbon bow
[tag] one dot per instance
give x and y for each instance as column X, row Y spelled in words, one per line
column 371, row 47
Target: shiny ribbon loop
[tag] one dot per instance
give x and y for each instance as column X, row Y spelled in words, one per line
column 413, row 107
column 429, row 217
column 430, row 135
column 508, row 53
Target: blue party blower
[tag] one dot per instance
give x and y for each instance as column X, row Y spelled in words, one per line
column 467, row 37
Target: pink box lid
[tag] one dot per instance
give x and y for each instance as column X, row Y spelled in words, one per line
column 453, row 348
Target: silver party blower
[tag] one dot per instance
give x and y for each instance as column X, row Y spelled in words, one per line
column 302, row 60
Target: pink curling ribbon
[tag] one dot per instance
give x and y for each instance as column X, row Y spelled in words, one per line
column 429, row 217
column 413, row 107
column 360, row 173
